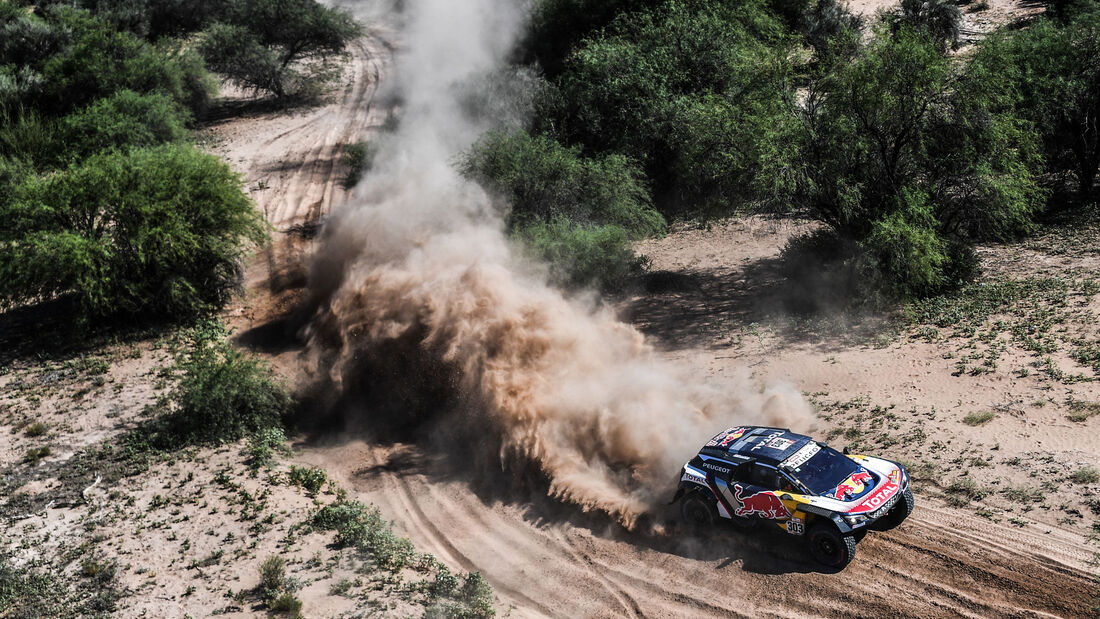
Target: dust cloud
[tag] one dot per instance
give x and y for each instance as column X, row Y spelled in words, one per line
column 420, row 265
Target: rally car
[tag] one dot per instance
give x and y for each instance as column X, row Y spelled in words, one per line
column 753, row 475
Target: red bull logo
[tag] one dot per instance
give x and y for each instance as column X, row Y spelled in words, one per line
column 766, row 504
column 853, row 485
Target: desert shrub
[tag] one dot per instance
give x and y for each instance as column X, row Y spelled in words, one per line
column 832, row 30
column 363, row 527
column 978, row 418
column 275, row 45
column 264, row 445
column 478, row 595
column 940, row 20
column 580, row 254
column 287, row 603
column 273, row 576
column 542, row 180
column 692, row 92
column 1049, row 74
column 1085, row 475
column 309, row 478
column 557, row 26
column 911, row 159
column 358, row 157
column 223, row 394
column 157, row 231
column 125, row 119
column 99, row 61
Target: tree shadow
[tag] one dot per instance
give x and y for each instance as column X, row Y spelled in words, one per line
column 47, row 330
column 804, row 303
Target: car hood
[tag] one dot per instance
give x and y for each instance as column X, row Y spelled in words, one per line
column 885, row 479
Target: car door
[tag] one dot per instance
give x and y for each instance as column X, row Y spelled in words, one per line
column 754, row 492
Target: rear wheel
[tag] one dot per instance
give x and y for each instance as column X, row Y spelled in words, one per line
column 898, row 514
column 829, row 546
column 698, row 511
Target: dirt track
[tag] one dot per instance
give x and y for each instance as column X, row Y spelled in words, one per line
column 544, row 559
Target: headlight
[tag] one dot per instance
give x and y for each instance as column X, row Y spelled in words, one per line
column 854, row 520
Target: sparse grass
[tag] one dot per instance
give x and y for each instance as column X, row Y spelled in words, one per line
column 1086, row 475
column 35, row 454
column 962, row 491
column 38, row 590
column 979, row 418
column 1080, row 411
column 36, row 429
column 1020, row 494
column 211, row 559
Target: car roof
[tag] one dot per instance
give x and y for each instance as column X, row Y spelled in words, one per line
column 763, row 444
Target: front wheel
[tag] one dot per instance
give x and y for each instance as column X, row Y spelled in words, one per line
column 830, row 547
column 898, row 513
column 698, row 511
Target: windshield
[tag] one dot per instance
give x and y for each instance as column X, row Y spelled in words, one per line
column 820, row 470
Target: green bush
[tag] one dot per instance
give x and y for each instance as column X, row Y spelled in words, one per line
column 832, row 30
column 125, row 119
column 582, row 255
column 692, row 91
column 223, row 394
column 1047, row 74
column 358, row 157
column 100, row 61
column 543, row 180
column 157, row 231
column 478, row 595
column 912, row 160
column 264, row 445
column 273, row 576
column 275, row 45
column 939, row 20
column 310, row 478
column 363, row 527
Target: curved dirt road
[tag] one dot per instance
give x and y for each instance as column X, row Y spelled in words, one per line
column 548, row 560
column 545, row 560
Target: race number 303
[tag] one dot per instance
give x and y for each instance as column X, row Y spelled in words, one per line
column 795, row 526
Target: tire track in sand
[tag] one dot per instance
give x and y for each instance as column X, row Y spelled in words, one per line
column 544, row 565
column 942, row 562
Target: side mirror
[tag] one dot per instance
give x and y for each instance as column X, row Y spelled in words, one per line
column 846, row 450
column 786, row 497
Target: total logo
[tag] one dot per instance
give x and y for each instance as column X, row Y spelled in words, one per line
column 876, row 500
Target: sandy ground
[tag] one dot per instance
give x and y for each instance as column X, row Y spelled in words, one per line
column 545, row 560
column 996, row 556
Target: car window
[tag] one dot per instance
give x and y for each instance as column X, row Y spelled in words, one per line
column 763, row 476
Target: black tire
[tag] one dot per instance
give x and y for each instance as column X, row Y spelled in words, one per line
column 698, row 511
column 898, row 514
column 831, row 547
column 742, row 523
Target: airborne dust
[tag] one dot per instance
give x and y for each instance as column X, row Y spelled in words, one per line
column 419, row 264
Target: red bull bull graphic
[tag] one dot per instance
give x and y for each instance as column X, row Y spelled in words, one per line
column 727, row 437
column 852, row 486
column 765, row 504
